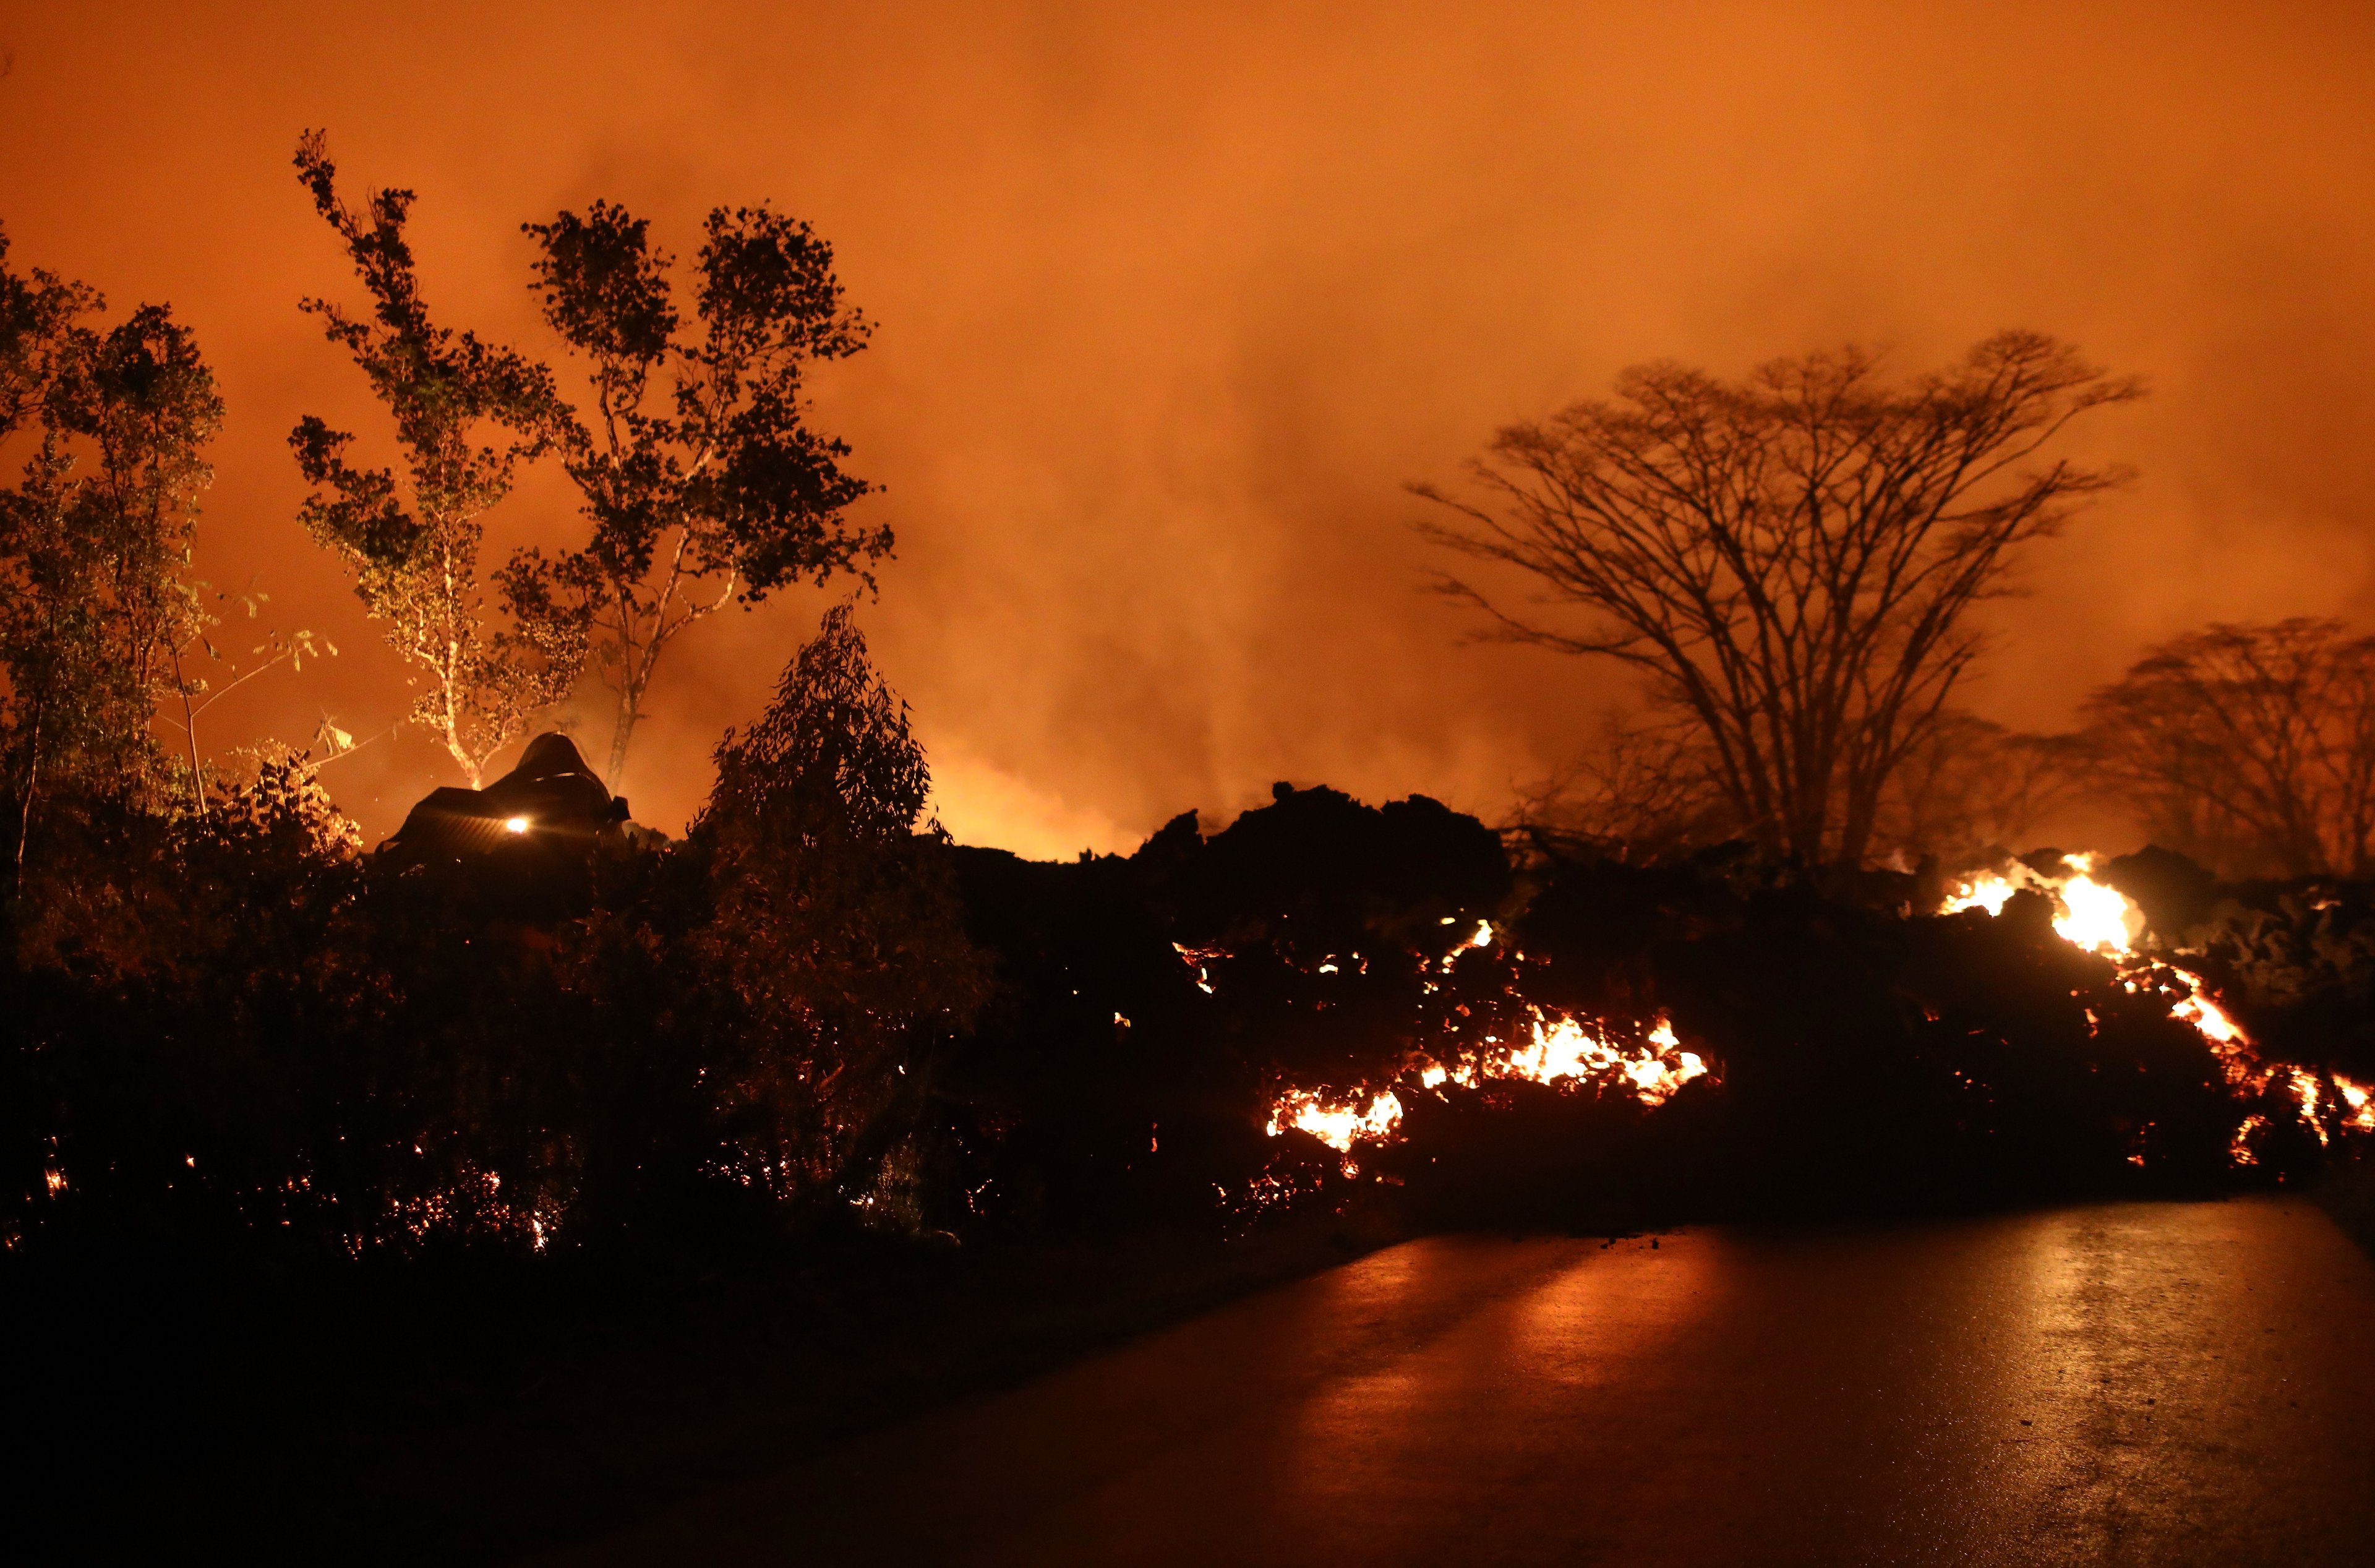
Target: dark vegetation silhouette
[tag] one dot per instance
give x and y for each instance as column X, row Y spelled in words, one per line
column 466, row 414
column 531, row 1059
column 2248, row 746
column 1790, row 561
column 702, row 483
column 113, row 422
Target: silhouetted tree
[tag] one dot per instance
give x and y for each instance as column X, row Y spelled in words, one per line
column 413, row 543
column 701, row 480
column 1969, row 787
column 37, row 313
column 833, row 921
column 1651, row 787
column 95, row 536
column 194, row 693
column 1790, row 559
column 1647, row 788
column 2248, row 746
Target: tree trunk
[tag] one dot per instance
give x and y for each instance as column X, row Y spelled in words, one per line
column 622, row 733
column 32, row 782
column 190, row 729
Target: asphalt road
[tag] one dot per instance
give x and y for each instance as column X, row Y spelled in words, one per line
column 2133, row 1384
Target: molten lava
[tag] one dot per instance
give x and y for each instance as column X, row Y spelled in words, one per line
column 1554, row 1048
column 1337, row 1128
column 2100, row 919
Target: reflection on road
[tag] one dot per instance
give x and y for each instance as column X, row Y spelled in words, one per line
column 2144, row 1384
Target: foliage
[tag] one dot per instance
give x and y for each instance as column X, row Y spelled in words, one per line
column 2248, row 746
column 194, row 694
column 833, row 923
column 412, row 543
column 700, row 478
column 232, row 1030
column 1790, row 560
column 94, row 540
column 240, row 1028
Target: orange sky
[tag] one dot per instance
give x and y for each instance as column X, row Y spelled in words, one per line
column 1173, row 300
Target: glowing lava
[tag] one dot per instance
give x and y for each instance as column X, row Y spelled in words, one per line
column 1556, row 1049
column 2100, row 919
column 1566, row 1048
column 1559, row 1049
column 2097, row 918
column 2087, row 913
column 1338, row 1127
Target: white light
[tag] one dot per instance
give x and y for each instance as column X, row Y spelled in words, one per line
column 514, row 824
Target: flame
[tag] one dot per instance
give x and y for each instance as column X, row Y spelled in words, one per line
column 2308, row 1094
column 2207, row 1017
column 2091, row 914
column 2362, row 1101
column 1564, row 1048
column 514, row 824
column 2096, row 917
column 2100, row 919
column 1560, row 1049
column 1481, row 938
column 1340, row 1125
column 1196, row 958
column 1988, row 891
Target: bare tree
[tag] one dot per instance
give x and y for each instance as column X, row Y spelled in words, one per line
column 2249, row 747
column 1969, row 787
column 1790, row 559
column 1646, row 788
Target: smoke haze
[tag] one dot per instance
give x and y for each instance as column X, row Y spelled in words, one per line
column 1172, row 301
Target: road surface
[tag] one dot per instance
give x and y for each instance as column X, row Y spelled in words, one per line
column 2142, row 1383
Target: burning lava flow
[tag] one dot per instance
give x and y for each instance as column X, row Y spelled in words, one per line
column 1556, row 1049
column 2102, row 920
column 1562, row 1050
column 1648, row 1062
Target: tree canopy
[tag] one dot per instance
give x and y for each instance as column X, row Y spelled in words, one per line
column 95, row 599
column 1790, row 559
column 466, row 414
column 2248, row 746
column 700, row 475
column 833, row 921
